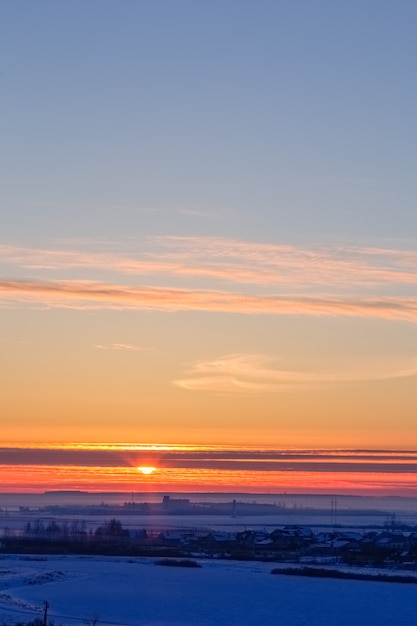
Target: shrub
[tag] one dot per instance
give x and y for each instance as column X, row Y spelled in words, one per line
column 178, row 562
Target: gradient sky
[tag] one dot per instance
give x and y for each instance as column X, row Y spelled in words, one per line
column 208, row 224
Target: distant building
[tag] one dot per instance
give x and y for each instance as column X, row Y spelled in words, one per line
column 175, row 503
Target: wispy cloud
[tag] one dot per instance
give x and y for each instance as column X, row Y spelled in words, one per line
column 233, row 261
column 94, row 295
column 285, row 264
column 216, row 274
column 255, row 373
column 120, row 346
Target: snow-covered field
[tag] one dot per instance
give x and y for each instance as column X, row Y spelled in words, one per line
column 129, row 592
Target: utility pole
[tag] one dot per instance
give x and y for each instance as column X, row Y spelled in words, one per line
column 333, row 513
column 45, row 613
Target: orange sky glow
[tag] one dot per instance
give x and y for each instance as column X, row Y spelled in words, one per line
column 175, row 468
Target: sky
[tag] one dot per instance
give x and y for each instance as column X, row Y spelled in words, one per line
column 208, row 225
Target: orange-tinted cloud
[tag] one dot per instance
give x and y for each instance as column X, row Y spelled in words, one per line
column 94, row 295
column 234, row 261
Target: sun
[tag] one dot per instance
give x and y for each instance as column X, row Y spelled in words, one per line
column 146, row 470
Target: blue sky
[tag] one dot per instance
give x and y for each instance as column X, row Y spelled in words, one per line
column 233, row 118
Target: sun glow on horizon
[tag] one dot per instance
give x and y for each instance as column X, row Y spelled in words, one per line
column 146, row 470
